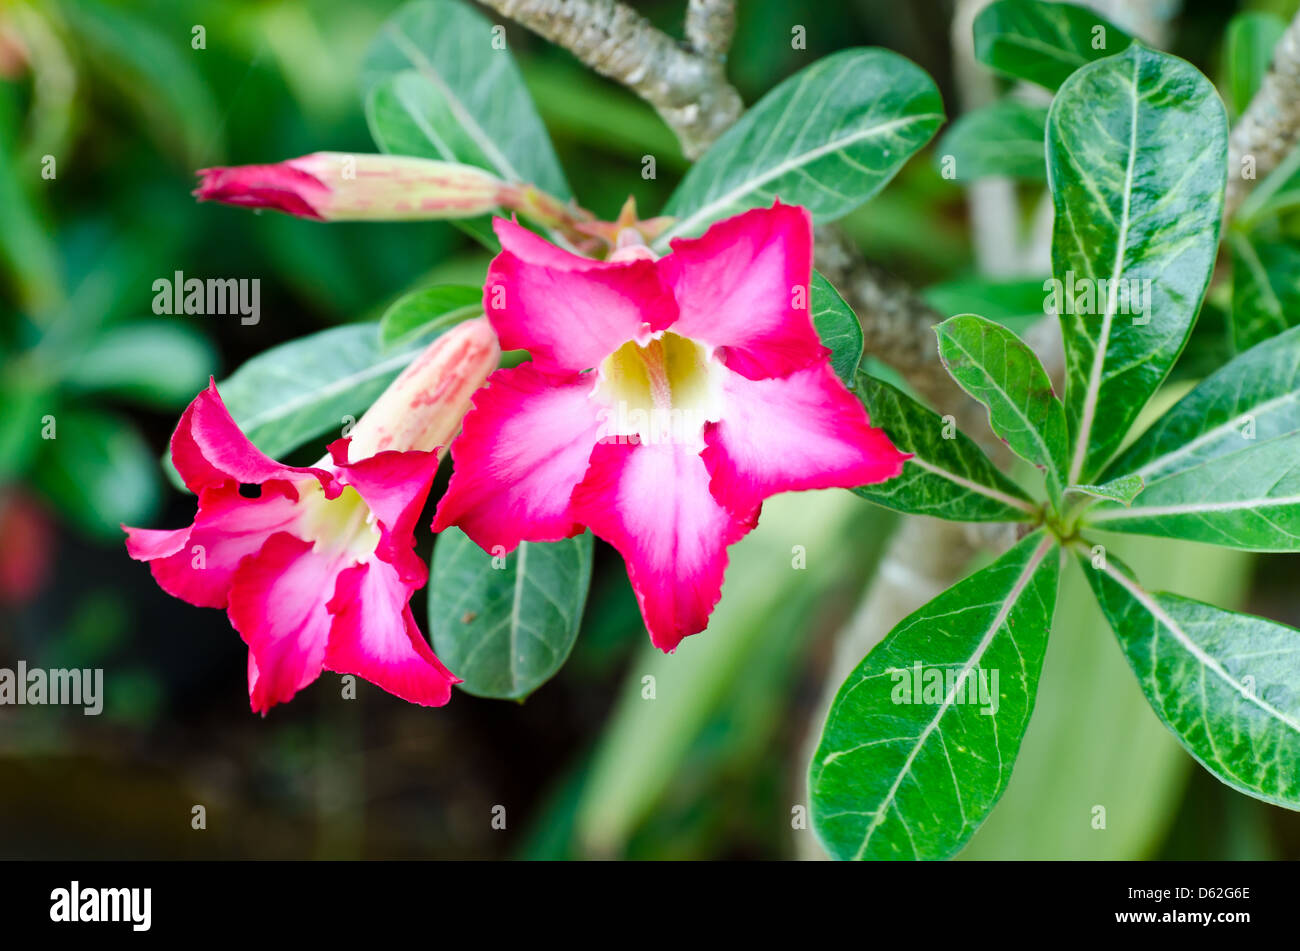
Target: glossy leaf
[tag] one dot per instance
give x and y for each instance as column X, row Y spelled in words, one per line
column 1136, row 159
column 1223, row 465
column 1265, row 288
column 1005, row 138
column 506, row 630
column 907, row 773
column 1226, row 685
column 1255, row 396
column 1123, row 490
column 427, row 312
column 827, row 138
column 1043, row 42
column 1248, row 499
column 948, row 476
column 838, row 328
column 1000, row 370
column 436, row 87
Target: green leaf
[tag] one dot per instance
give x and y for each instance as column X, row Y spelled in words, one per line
column 1093, row 737
column 827, row 138
column 838, row 328
column 292, row 393
column 1000, row 370
column 1005, row 138
column 506, row 631
column 157, row 364
column 99, row 471
column 1265, row 288
column 897, row 775
column 948, row 476
column 1221, row 465
column 1136, row 159
column 1254, row 397
column 1248, row 499
column 1225, row 684
column 1043, row 42
column 1123, row 490
column 428, row 311
column 436, row 87
column 1247, row 51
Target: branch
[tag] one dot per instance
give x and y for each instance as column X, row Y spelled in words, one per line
column 897, row 325
column 1270, row 126
column 688, row 88
column 710, row 25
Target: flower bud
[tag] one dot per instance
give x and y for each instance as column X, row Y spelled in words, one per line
column 339, row 186
column 423, row 408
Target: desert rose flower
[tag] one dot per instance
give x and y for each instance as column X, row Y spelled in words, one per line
column 340, row 186
column 316, row 572
column 665, row 400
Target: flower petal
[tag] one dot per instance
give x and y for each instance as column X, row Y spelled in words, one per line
column 394, row 485
column 743, row 286
column 196, row 564
column 570, row 317
column 375, row 637
column 529, row 246
column 209, row 448
column 652, row 503
column 281, row 186
column 525, row 445
column 803, row 431
column 278, row 603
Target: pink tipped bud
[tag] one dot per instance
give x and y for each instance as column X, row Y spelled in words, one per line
column 339, row 186
column 423, row 408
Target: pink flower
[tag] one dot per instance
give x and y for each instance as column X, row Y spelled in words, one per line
column 339, row 186
column 317, row 570
column 665, row 400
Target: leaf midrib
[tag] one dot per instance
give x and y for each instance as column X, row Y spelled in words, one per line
column 1093, row 394
column 1049, row 461
column 281, row 410
column 1162, row 461
column 1004, row 612
column 705, row 212
column 1166, row 621
column 426, row 69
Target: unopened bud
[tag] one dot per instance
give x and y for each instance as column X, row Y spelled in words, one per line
column 340, row 186
column 423, row 408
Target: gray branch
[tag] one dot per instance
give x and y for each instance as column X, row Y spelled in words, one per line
column 897, row 325
column 710, row 25
column 687, row 88
column 1269, row 128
